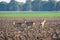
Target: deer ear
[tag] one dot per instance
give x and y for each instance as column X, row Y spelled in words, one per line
column 13, row 22
column 25, row 21
column 34, row 23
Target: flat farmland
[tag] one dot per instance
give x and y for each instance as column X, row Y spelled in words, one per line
column 30, row 14
column 29, row 28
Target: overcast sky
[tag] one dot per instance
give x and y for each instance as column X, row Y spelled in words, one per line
column 16, row 0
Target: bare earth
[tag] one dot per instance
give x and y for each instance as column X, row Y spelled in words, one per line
column 29, row 28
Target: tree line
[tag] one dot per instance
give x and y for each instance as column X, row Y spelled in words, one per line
column 36, row 5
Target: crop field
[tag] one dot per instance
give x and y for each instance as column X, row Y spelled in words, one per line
column 29, row 25
column 30, row 14
column 18, row 28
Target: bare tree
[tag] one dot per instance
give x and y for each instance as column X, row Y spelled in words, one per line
column 29, row 5
column 54, row 2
